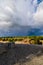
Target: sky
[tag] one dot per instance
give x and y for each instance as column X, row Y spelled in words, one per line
column 21, row 17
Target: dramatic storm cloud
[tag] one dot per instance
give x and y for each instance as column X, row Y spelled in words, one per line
column 16, row 14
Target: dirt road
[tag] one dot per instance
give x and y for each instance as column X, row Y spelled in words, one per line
column 23, row 55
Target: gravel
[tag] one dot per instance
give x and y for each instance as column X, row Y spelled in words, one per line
column 22, row 55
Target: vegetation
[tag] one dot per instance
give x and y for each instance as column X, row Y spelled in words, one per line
column 21, row 38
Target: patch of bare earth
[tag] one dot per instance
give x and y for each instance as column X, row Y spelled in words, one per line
column 35, row 61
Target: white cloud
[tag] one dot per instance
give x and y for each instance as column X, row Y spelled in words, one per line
column 17, row 11
column 7, row 8
column 38, row 16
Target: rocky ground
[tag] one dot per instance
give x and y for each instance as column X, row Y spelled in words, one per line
column 22, row 55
